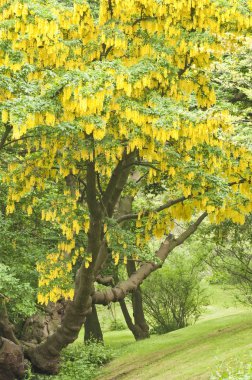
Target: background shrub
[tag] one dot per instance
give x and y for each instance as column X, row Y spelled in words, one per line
column 174, row 296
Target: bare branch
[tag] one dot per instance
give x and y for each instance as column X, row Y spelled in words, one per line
column 147, row 212
column 105, row 280
column 122, row 289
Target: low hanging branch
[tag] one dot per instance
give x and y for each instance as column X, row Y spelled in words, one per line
column 123, row 288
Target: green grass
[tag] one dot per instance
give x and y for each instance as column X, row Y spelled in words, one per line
column 222, row 335
column 191, row 353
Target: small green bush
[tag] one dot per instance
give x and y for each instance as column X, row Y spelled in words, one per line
column 117, row 326
column 79, row 362
column 174, row 296
column 13, row 289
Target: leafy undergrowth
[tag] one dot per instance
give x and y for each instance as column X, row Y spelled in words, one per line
column 192, row 353
column 79, row 362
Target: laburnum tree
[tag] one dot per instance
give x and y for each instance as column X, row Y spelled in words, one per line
column 116, row 99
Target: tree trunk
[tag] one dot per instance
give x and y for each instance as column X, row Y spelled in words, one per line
column 138, row 314
column 6, row 328
column 45, row 357
column 44, row 323
column 93, row 331
column 141, row 326
column 11, row 360
column 137, row 331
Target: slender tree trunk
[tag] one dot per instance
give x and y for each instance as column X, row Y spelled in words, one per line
column 141, row 326
column 93, row 331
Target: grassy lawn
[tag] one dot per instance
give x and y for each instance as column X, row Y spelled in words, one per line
column 190, row 353
column 223, row 334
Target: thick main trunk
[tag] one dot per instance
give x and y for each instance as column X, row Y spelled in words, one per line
column 45, row 357
column 93, row 331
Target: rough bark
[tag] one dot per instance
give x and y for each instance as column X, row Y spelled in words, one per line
column 11, row 360
column 6, row 328
column 93, row 331
column 39, row 326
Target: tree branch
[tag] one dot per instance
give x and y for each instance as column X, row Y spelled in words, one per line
column 5, row 135
column 105, row 280
column 170, row 203
column 147, row 212
column 92, row 202
column 120, row 290
column 117, row 182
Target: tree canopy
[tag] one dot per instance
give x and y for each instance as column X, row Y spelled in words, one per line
column 89, row 99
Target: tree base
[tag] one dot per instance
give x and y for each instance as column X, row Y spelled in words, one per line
column 41, row 364
column 11, row 360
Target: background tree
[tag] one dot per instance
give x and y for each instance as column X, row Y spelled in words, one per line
column 229, row 255
column 90, row 100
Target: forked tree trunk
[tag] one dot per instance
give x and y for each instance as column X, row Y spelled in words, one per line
column 45, row 357
column 139, row 328
column 93, row 331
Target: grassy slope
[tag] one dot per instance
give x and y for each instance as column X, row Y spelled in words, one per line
column 224, row 333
